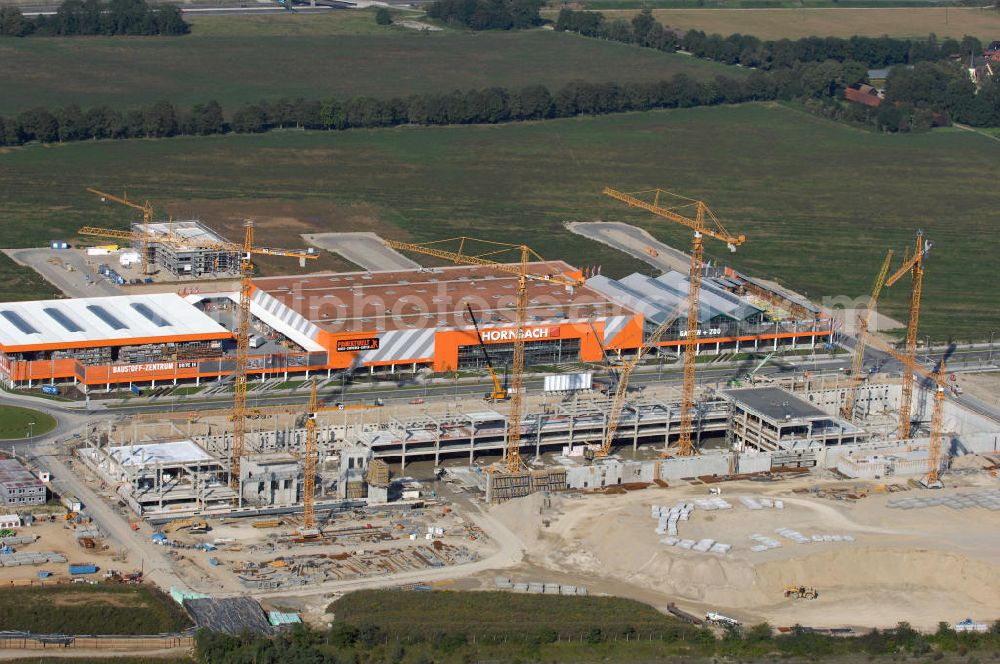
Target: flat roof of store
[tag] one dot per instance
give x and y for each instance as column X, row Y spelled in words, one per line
column 114, row 320
column 147, row 454
column 433, row 297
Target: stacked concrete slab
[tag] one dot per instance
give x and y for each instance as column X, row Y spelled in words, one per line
column 31, row 558
column 986, row 498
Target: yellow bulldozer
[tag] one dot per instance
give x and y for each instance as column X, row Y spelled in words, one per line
column 801, row 592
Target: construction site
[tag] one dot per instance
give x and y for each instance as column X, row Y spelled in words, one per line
column 819, row 495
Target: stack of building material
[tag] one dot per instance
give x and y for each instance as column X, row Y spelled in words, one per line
column 503, row 582
column 986, row 498
column 761, row 503
column 711, row 504
column 706, row 545
column 17, row 540
column 763, row 543
column 799, row 538
column 793, row 535
column 667, row 517
column 30, row 558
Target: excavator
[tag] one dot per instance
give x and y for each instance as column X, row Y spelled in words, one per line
column 499, row 393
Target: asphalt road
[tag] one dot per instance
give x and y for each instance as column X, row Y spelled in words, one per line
column 364, row 249
column 634, row 242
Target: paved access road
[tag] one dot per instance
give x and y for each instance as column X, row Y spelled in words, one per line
column 364, row 249
column 73, row 284
column 634, row 242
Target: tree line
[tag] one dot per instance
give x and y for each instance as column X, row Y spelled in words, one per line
column 94, row 17
column 371, row 643
column 749, row 51
column 487, row 106
column 821, row 84
column 488, row 14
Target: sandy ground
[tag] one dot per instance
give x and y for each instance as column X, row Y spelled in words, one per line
column 923, row 566
column 58, row 536
column 984, row 386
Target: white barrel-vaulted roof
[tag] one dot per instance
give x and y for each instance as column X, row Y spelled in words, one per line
column 112, row 321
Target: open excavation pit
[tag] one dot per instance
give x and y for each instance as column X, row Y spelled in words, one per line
column 872, row 565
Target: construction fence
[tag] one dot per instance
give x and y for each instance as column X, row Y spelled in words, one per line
column 31, row 641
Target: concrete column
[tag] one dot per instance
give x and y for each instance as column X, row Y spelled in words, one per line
column 538, row 434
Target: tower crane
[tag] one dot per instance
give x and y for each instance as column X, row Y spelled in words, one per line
column 498, row 393
column 704, row 223
column 915, row 267
column 621, row 388
column 147, row 217
column 863, row 322
column 246, row 251
column 911, row 366
column 470, row 251
column 309, row 464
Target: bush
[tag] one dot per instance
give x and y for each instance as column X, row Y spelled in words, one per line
column 383, row 16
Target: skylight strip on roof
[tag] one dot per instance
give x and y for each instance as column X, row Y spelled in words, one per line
column 64, row 320
column 106, row 317
column 150, row 315
column 15, row 319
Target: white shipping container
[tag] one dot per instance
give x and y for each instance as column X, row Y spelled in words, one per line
column 569, row 382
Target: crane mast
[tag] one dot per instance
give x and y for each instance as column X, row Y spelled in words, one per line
column 470, row 251
column 309, row 464
column 246, row 250
column 704, row 223
column 147, row 217
column 864, row 323
column 915, row 267
column 242, row 355
column 911, row 365
column 621, row 389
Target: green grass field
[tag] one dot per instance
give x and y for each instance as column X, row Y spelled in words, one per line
column 17, row 283
column 16, row 422
column 86, row 609
column 819, row 201
column 499, row 614
column 245, row 59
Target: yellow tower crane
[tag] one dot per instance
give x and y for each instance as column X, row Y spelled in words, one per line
column 911, row 366
column 915, row 267
column 309, row 464
column 470, row 251
column 864, row 324
column 246, row 251
column 621, row 389
column 703, row 223
column 147, row 217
